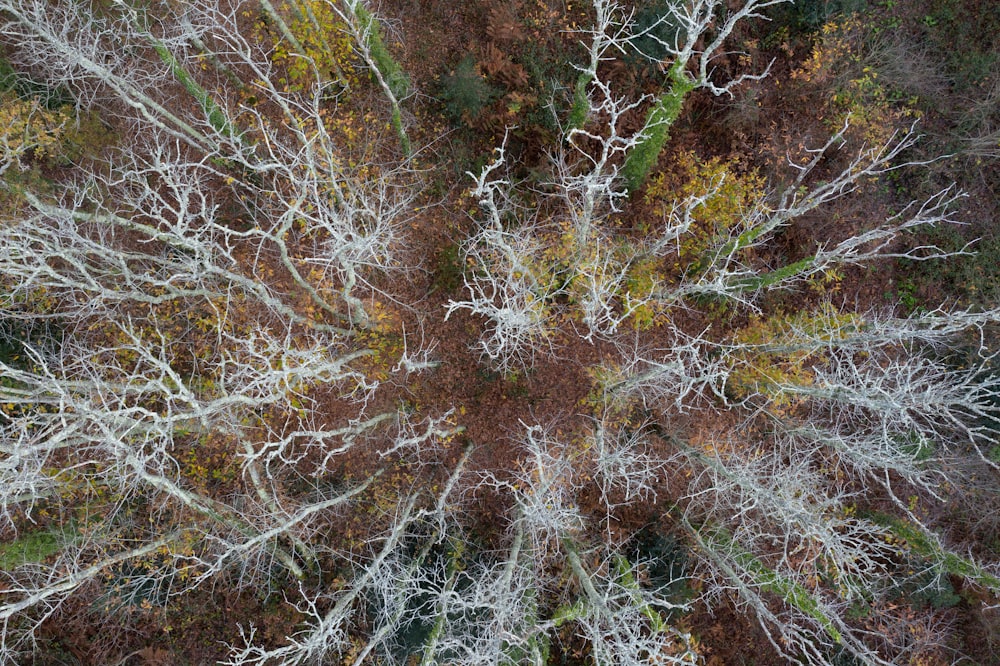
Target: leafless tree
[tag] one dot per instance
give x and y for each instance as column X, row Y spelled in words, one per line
column 109, row 408
column 223, row 277
column 508, row 285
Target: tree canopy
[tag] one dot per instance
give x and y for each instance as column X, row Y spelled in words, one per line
column 527, row 332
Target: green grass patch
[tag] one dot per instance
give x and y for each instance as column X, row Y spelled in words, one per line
column 34, row 546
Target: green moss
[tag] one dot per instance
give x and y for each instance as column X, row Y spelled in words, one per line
column 627, row 578
column 774, row 277
column 581, row 106
column 661, row 117
column 395, row 77
column 399, row 82
column 33, row 546
column 926, row 547
column 569, row 613
column 216, row 116
column 771, row 581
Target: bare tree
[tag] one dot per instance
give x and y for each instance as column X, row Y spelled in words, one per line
column 771, row 511
column 619, row 619
column 387, row 575
column 508, row 285
column 76, row 48
column 219, row 287
column 178, row 331
column 725, row 269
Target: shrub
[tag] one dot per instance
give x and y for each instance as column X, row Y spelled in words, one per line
column 465, row 92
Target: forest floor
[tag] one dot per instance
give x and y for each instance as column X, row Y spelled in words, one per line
column 517, row 47
column 763, row 125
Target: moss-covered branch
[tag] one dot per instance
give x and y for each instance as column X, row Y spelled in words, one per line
column 657, row 129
